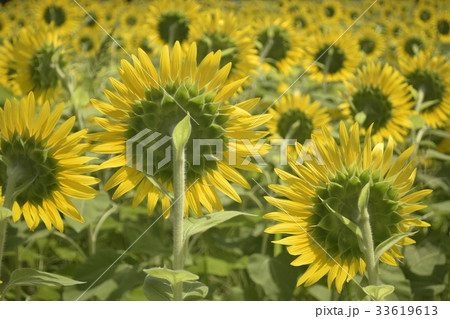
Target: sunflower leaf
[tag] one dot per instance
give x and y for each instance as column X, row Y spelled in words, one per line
column 417, row 121
column 379, row 292
column 173, row 276
column 182, row 132
column 157, row 289
column 389, row 243
column 437, row 155
column 196, row 225
column 32, row 277
column 5, row 213
column 194, row 290
column 347, row 222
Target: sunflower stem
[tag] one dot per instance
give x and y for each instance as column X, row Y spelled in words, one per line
column 266, row 49
column 368, row 248
column 13, row 175
column 178, row 216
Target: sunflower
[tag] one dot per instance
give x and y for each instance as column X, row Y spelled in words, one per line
column 62, row 15
column 44, row 166
column 430, row 75
column 294, row 116
column 4, row 27
column 86, row 42
column 442, row 26
column 131, row 18
column 324, row 193
column 424, row 14
column 380, row 95
column 221, row 31
column 278, row 44
column 39, row 61
column 300, row 13
column 171, row 21
column 335, row 62
column 330, row 11
column 7, row 68
column 371, row 43
column 412, row 41
column 148, row 101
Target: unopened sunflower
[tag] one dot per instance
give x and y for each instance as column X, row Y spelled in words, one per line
column 155, row 102
column 379, row 94
column 322, row 200
column 42, row 165
column 430, row 76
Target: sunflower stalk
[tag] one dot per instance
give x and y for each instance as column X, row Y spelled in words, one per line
column 180, row 137
column 10, row 192
column 367, row 244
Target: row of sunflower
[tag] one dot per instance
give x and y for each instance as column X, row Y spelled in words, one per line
column 334, row 77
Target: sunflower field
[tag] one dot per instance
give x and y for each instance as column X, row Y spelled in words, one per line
column 225, row 150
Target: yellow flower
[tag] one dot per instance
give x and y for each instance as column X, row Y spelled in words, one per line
column 379, row 95
column 152, row 101
column 430, row 75
column 334, row 63
column 63, row 16
column 324, row 193
column 294, row 116
column 47, row 163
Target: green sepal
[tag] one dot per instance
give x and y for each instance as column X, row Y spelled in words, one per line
column 389, row 243
column 5, row 213
column 181, row 133
column 173, row 276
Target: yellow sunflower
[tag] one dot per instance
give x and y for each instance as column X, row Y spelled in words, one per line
column 86, row 42
column 335, row 62
column 380, row 95
column 442, row 26
column 41, row 166
column 221, row 31
column 300, row 13
column 330, row 11
column 425, row 14
column 371, row 43
column 39, row 61
column 278, row 44
column 7, row 68
column 63, row 16
column 171, row 21
column 324, row 194
column 430, row 75
column 412, row 41
column 295, row 116
column 154, row 102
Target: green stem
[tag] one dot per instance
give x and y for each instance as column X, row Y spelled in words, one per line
column 266, row 49
column 178, row 216
column 368, row 248
column 12, row 177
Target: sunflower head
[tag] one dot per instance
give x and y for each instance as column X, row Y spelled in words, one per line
column 58, row 14
column 154, row 103
column 379, row 96
column 322, row 200
column 41, row 164
column 41, row 66
column 295, row 116
column 429, row 76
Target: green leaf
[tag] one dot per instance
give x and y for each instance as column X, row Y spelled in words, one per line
column 347, row 222
column 5, row 213
column 417, row 121
column 439, row 133
column 363, row 200
column 216, row 266
column 394, row 276
column 427, row 104
column 173, row 276
column 379, row 292
column 157, row 289
column 182, row 132
column 196, row 225
column 437, row 155
column 274, row 275
column 32, row 277
column 421, row 259
column 389, row 243
column 194, row 290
